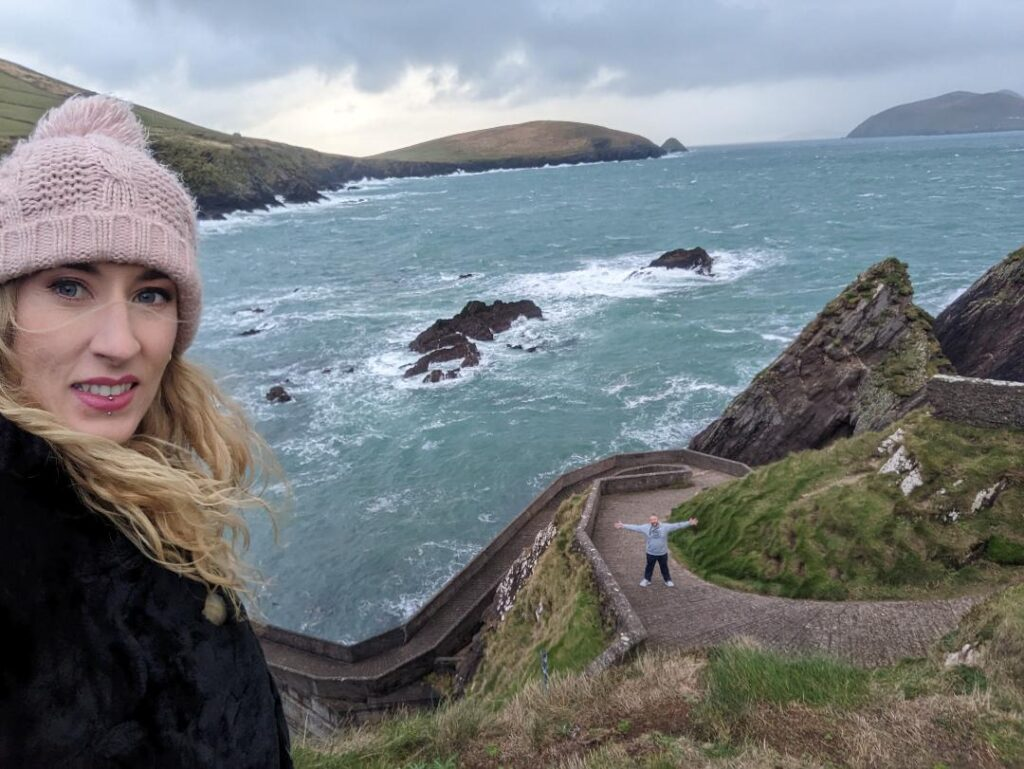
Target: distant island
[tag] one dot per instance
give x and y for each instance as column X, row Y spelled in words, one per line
column 537, row 143
column 231, row 172
column 952, row 113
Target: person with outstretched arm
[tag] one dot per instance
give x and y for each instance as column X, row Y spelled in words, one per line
column 657, row 544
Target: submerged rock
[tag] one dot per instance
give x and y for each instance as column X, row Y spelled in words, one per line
column 860, row 364
column 982, row 332
column 696, row 259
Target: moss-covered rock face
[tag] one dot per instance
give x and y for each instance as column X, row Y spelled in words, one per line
column 860, row 364
column 982, row 332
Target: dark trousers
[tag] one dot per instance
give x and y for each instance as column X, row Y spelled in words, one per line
column 662, row 561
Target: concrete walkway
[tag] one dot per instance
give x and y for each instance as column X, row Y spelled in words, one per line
column 696, row 614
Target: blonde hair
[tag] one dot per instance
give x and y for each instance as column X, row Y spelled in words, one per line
column 177, row 487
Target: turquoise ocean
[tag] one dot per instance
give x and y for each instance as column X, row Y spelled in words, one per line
column 396, row 484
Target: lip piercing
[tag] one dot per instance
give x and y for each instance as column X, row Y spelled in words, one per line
column 110, row 413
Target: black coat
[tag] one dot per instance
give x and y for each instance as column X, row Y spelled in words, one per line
column 106, row 659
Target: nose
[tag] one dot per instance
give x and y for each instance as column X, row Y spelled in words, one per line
column 114, row 337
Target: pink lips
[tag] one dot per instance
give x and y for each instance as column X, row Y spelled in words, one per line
column 107, row 402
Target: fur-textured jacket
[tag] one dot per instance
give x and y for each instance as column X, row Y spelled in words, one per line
column 107, row 658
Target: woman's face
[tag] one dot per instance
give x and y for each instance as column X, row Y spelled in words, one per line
column 92, row 342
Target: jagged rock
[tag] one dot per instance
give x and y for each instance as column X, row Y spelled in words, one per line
column 448, row 339
column 905, row 466
column 696, row 259
column 982, row 332
column 476, row 320
column 860, row 364
column 251, row 332
column 673, row 144
column 890, row 444
column 277, row 394
column 458, row 347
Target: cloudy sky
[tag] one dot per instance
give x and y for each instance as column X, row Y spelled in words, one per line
column 365, row 77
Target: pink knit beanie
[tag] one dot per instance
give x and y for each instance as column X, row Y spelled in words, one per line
column 85, row 188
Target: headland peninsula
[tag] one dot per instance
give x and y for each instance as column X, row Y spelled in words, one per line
column 230, row 172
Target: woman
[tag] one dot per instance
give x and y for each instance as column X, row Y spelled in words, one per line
column 122, row 472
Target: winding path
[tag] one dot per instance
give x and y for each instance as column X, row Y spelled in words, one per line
column 697, row 614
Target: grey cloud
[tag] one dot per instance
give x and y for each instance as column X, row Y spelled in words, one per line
column 654, row 45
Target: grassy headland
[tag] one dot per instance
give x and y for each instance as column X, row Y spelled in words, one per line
column 534, row 143
column 228, row 172
column 826, row 524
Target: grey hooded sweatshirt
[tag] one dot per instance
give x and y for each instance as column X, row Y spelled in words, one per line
column 657, row 535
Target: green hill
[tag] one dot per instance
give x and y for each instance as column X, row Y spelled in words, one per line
column 529, row 144
column 951, row 113
column 229, row 172
column 827, row 524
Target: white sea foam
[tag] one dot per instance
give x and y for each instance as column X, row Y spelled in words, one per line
column 629, row 277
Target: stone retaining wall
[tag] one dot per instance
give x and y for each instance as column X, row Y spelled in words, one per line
column 979, row 402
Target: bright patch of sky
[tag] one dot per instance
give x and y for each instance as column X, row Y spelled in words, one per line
column 366, row 77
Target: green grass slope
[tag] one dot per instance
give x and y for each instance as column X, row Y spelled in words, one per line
column 224, row 172
column 734, row 707
column 533, row 143
column 825, row 524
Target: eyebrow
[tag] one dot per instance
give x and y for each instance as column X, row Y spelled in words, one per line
column 91, row 269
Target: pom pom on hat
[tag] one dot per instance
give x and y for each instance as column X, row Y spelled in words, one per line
column 88, row 115
column 83, row 187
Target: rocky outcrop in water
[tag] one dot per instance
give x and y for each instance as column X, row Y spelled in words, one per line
column 860, row 364
column 277, row 394
column 448, row 339
column 673, row 145
column 696, row 259
column 982, row 332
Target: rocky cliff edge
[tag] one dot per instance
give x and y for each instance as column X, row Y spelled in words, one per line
column 860, row 364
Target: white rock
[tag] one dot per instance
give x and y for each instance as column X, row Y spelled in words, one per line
column 900, row 463
column 987, row 497
column 888, row 446
column 911, row 481
column 968, row 655
column 951, row 516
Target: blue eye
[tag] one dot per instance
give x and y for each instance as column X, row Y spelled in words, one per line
column 69, row 289
column 153, row 296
